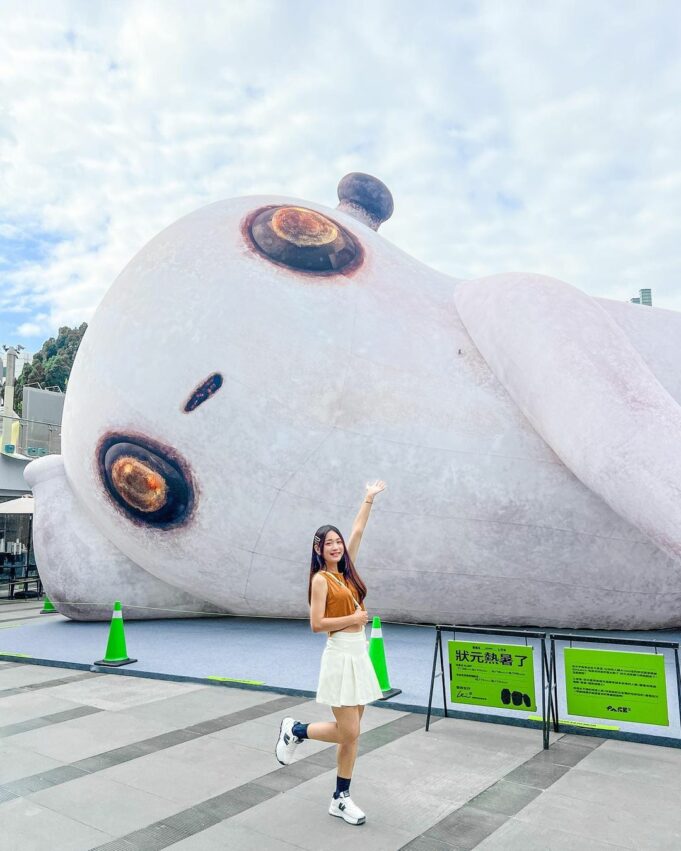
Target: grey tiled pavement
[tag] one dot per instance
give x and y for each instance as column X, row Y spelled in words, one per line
column 91, row 760
column 133, row 764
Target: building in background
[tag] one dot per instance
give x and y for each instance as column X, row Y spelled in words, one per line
column 35, row 434
column 42, row 411
column 645, row 296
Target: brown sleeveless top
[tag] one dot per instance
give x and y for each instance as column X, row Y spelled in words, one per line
column 339, row 602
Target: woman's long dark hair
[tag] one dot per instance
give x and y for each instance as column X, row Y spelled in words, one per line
column 345, row 565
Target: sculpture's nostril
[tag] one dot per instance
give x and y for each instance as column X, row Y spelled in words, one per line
column 303, row 227
column 203, row 392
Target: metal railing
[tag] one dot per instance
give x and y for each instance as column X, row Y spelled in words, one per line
column 29, row 438
column 15, row 580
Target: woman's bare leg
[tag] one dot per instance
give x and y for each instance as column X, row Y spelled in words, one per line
column 344, row 732
column 347, row 752
column 323, row 731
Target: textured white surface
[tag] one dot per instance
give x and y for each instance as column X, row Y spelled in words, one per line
column 330, row 382
column 581, row 383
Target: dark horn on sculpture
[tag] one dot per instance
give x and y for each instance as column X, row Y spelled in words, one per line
column 365, row 198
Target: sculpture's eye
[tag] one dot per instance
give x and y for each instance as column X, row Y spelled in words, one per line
column 147, row 483
column 304, row 239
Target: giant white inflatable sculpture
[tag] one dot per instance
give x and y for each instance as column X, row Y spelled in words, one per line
column 262, row 358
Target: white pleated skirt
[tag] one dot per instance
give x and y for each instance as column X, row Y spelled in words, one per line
column 346, row 675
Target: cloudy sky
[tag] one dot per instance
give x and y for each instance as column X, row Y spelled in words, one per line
column 514, row 135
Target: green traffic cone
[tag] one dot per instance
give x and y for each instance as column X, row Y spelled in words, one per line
column 116, row 651
column 377, row 656
column 47, row 608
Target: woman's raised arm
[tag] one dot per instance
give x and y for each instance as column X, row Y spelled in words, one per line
column 358, row 526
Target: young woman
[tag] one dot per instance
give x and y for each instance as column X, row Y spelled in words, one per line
column 347, row 680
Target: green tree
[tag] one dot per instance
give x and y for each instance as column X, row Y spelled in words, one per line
column 52, row 365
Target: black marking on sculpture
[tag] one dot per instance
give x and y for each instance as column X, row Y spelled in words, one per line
column 203, row 392
column 148, row 482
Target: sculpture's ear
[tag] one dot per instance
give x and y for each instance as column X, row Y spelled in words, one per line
column 586, row 390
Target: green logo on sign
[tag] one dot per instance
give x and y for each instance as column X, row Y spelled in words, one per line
column 496, row 675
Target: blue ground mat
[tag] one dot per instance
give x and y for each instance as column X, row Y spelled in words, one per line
column 279, row 653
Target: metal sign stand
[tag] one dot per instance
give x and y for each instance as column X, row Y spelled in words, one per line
column 516, row 633
column 599, row 639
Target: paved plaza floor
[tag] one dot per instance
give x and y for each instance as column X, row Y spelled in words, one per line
column 90, row 760
column 93, row 760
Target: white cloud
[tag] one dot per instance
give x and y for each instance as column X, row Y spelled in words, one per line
column 30, row 329
column 513, row 136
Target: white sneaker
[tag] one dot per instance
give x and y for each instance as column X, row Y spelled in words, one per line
column 345, row 808
column 287, row 742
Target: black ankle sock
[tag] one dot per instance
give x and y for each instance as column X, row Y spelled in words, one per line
column 299, row 730
column 342, row 785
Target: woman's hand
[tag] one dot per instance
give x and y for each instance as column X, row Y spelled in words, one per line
column 374, row 487
column 360, row 616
